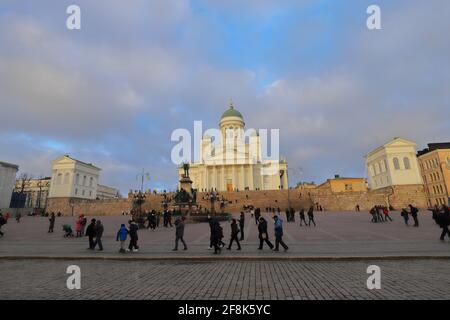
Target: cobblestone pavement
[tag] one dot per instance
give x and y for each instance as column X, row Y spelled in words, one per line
column 46, row 279
column 336, row 235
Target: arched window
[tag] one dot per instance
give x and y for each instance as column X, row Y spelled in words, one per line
column 385, row 165
column 406, row 163
column 396, row 164
column 91, row 182
column 77, row 179
column 84, row 180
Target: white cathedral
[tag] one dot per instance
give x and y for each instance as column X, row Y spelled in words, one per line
column 234, row 164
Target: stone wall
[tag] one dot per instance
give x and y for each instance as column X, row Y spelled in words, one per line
column 398, row 197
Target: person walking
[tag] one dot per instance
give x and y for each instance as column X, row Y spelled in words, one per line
column 52, row 222
column 405, row 216
column 414, row 211
column 443, row 220
column 311, row 216
column 262, row 234
column 216, row 235
column 278, row 223
column 292, row 212
column 78, row 227
column 122, row 237
column 91, row 233
column 234, row 234
column 98, row 235
column 179, row 233
column 241, row 225
column 18, row 217
column 302, row 217
column 386, row 214
column 83, row 224
column 133, row 231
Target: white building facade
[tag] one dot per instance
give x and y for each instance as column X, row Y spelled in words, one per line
column 236, row 162
column 394, row 163
column 72, row 178
column 8, row 173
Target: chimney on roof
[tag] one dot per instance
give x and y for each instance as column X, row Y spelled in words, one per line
column 336, row 176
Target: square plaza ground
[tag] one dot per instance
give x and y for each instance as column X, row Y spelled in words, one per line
column 33, row 262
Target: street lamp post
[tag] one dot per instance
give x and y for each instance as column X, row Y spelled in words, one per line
column 143, row 175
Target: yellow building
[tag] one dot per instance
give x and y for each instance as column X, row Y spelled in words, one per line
column 339, row 184
column 434, row 164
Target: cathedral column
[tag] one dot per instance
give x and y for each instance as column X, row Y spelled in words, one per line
column 250, row 177
column 233, row 176
column 224, row 182
column 214, row 174
column 241, row 177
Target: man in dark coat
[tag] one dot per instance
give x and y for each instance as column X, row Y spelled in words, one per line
column 262, row 234
column 91, row 233
column 414, row 211
column 311, row 216
column 179, row 233
column 302, row 217
column 98, row 235
column 133, row 236
column 241, row 225
column 443, row 220
column 52, row 222
column 216, row 235
column 234, row 234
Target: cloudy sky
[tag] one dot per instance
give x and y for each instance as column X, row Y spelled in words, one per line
column 113, row 92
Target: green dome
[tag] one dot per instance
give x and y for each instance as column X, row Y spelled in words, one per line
column 231, row 112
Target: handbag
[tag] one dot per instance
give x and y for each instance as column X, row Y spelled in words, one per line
column 264, row 236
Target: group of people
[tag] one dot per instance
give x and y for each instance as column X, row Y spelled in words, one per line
column 413, row 211
column 290, row 216
column 380, row 214
column 237, row 228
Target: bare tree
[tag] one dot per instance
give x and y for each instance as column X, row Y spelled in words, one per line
column 24, row 181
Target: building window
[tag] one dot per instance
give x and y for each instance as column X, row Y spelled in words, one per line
column 76, row 191
column 396, row 164
column 348, row 187
column 59, row 178
column 84, row 180
column 90, row 193
column 91, row 182
column 406, row 163
column 77, row 179
column 82, row 192
column 66, row 178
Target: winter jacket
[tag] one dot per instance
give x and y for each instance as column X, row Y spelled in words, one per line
column 122, row 233
column 99, row 230
column 134, row 230
column 278, row 227
column 91, row 230
column 234, row 229
column 179, row 228
column 262, row 228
